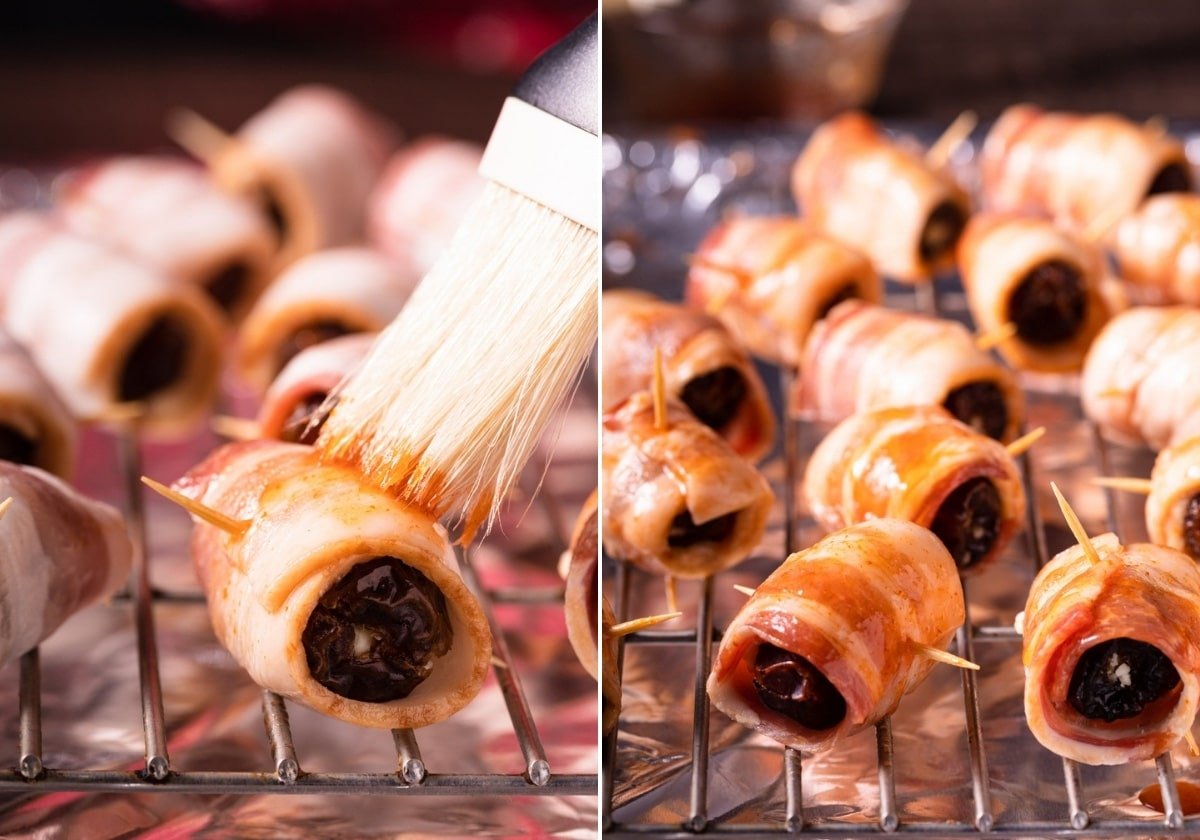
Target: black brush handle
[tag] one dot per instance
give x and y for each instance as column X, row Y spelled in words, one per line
column 563, row 81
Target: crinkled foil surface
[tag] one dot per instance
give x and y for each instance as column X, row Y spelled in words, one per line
column 661, row 195
column 91, row 708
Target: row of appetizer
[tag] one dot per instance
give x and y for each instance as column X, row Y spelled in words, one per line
column 304, row 235
column 918, row 479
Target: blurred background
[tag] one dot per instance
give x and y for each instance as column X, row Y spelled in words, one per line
column 717, row 60
column 84, row 77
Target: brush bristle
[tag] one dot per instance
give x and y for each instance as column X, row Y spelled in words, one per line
column 452, row 399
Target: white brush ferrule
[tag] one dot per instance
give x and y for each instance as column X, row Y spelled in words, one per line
column 547, row 160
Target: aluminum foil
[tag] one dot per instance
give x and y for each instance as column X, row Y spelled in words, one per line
column 661, row 195
column 91, row 710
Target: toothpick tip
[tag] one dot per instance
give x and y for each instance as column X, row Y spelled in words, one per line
column 1075, row 525
column 5, row 505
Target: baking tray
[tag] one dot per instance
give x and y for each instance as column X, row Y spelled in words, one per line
column 137, row 698
column 956, row 760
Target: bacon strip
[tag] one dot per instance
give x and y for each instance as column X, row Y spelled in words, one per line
column 997, row 253
column 354, row 289
column 423, row 195
column 902, row 463
column 852, row 605
column 311, row 524
column 29, row 406
column 857, row 185
column 1140, row 380
column 79, row 308
column 60, row 553
column 652, row 476
column 1174, row 482
column 863, row 357
column 316, row 154
column 1141, row 591
column 168, row 214
column 1158, row 247
column 1085, row 171
column 692, row 345
column 312, row 373
column 770, row 279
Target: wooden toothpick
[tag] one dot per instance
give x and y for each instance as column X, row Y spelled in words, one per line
column 231, row 526
column 197, row 135
column 1191, row 742
column 1025, row 442
column 745, row 590
column 660, row 393
column 943, row 656
column 616, row 631
column 5, row 505
column 1126, row 483
column 1075, row 525
column 954, row 136
column 235, row 428
column 119, row 414
column 741, row 275
column 672, row 594
column 995, row 337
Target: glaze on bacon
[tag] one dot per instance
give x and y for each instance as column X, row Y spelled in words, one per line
column 61, row 552
column 304, row 384
column 1143, row 593
column 863, row 357
column 703, row 366
column 862, row 188
column 313, row 527
column 322, row 296
column 1158, row 247
column 677, row 502
column 1085, row 171
column 770, row 279
column 105, row 329
column 1027, row 272
column 424, row 193
column 851, row 606
column 168, row 214
column 311, row 159
column 914, row 463
column 1141, row 383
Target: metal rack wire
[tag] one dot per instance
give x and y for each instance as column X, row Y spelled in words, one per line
column 287, row 775
column 1077, row 822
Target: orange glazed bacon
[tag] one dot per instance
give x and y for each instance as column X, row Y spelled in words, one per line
column 330, row 592
column 1110, row 652
column 678, row 500
column 770, row 279
column 829, row 643
column 862, row 357
column 1033, row 275
column 1085, row 171
column 704, row 367
column 921, row 465
column 1141, row 382
column 859, row 186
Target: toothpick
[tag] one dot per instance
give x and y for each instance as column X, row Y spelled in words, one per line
column 745, row 590
column 1112, row 392
column 1126, row 483
column 1155, row 125
column 1191, row 742
column 198, row 136
column 616, row 631
column 943, row 656
column 231, row 526
column 660, row 393
column 1100, row 224
column 1025, row 442
column 672, row 594
column 1075, row 525
column 497, row 662
column 741, row 275
column 994, row 338
column 235, row 428
column 5, row 505
column 938, row 155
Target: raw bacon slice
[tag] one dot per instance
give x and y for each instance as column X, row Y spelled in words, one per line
column 300, row 390
column 35, row 427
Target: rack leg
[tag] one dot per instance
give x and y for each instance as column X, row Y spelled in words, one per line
column 408, row 756
column 889, row 820
column 704, row 638
column 792, row 782
column 279, row 733
column 31, row 716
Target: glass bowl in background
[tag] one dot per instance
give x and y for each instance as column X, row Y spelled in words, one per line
column 688, row 60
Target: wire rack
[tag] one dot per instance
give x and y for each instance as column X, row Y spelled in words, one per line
column 1076, row 820
column 287, row 775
